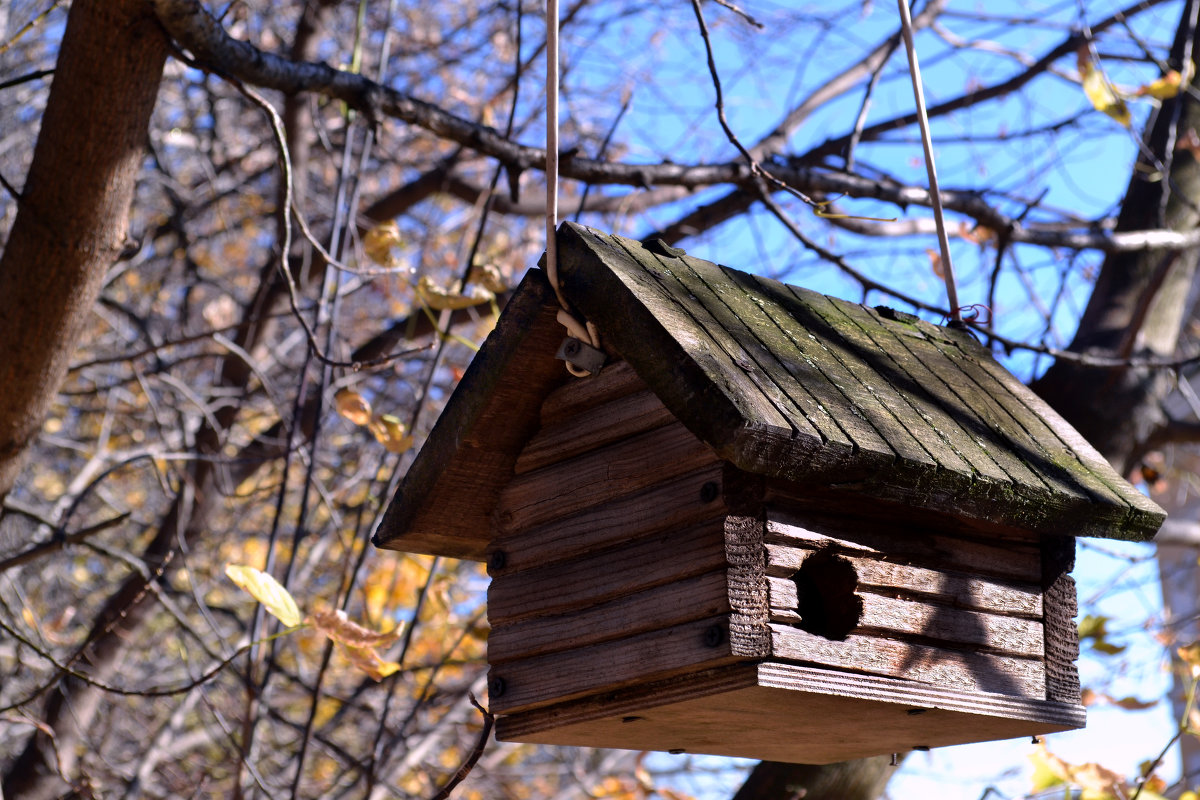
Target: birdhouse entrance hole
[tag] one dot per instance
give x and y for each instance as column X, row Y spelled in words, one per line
column 828, row 606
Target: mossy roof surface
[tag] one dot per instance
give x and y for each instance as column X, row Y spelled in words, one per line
column 793, row 384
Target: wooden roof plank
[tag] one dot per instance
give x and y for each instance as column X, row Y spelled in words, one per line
column 897, row 366
column 801, row 371
column 854, row 340
column 807, row 331
column 1074, row 454
column 750, row 376
column 677, row 358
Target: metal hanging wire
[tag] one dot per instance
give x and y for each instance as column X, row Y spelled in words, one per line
column 935, row 195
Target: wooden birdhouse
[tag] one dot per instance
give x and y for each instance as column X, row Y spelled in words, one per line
column 776, row 524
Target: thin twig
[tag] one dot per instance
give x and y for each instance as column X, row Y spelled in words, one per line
column 463, row 771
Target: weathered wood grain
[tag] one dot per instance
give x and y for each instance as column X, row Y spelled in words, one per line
column 616, row 380
column 598, row 576
column 962, row 590
column 904, row 542
column 445, row 502
column 1062, row 635
column 602, row 475
column 532, row 682
column 596, row 427
column 956, row 669
column 789, row 713
column 630, row 614
column 747, row 586
column 675, row 502
column 891, row 617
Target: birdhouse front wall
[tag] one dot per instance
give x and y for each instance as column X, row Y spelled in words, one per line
column 610, row 563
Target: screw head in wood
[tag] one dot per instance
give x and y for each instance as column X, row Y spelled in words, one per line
column 497, row 687
column 497, row 560
column 709, row 492
column 713, row 636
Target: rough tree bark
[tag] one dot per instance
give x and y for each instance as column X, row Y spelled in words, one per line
column 72, row 217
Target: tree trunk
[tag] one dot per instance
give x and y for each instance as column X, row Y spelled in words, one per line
column 72, row 217
column 863, row 779
column 71, row 227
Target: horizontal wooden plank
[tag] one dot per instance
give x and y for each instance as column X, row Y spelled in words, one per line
column 678, row 502
column 616, row 380
column 601, row 476
column 891, row 617
column 594, row 427
column 956, row 669
column 532, row 682
column 685, row 600
column 787, row 713
column 953, row 588
column 899, row 541
column 598, row 576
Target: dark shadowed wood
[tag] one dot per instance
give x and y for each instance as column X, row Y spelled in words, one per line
column 600, row 425
column 961, row 589
column 659, row 607
column 913, row 620
column 897, row 541
column 966, row 671
column 1062, row 635
column 444, row 504
column 831, row 716
column 598, row 576
column 676, row 502
column 616, row 380
column 623, row 468
column 531, row 682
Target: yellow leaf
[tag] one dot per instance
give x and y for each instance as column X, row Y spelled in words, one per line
column 379, row 241
column 337, row 626
column 389, row 431
column 489, row 277
column 441, row 299
column 266, row 590
column 1168, row 85
column 353, row 406
column 1100, row 92
column 369, row 661
column 1190, row 655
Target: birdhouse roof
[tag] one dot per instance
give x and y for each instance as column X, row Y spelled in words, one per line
column 778, row 381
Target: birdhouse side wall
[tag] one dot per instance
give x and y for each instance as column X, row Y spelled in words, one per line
column 913, row 602
column 610, row 565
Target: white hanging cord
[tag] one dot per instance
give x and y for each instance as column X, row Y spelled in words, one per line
column 552, row 146
column 585, row 332
column 935, row 194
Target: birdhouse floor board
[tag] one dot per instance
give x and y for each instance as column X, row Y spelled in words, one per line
column 600, row 476
column 676, row 502
column 682, row 601
column 927, row 623
column 1013, row 560
column 962, row 670
column 574, row 397
column 952, row 588
column 596, row 427
column 788, row 713
column 532, row 682
column 599, row 576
